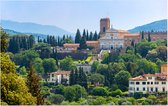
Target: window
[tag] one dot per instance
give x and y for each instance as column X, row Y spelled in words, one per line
column 137, row 89
column 143, row 88
column 152, row 89
column 144, row 83
column 149, row 77
column 151, row 83
column 131, row 88
column 137, row 83
column 163, row 89
column 52, row 75
column 104, row 29
column 163, row 82
column 131, row 82
column 156, row 89
column 156, row 82
column 148, row 83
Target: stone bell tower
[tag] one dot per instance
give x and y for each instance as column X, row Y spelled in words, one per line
column 104, row 25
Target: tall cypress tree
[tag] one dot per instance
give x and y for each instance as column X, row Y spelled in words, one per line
column 72, row 78
column 78, row 36
column 95, row 37
column 83, row 43
column 87, row 35
column 76, row 76
column 34, row 85
column 91, row 36
column 149, row 37
column 132, row 43
column 142, row 35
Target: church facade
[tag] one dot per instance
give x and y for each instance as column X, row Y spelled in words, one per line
column 111, row 38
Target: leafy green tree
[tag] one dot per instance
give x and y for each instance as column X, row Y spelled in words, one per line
column 34, row 85
column 116, row 92
column 152, row 55
column 94, row 66
column 43, row 49
column 99, row 91
column 96, row 79
column 82, row 79
column 3, row 40
column 59, row 89
column 131, row 67
column 98, row 101
column 22, row 70
column 78, row 36
column 56, row 98
column 25, row 58
column 13, row 87
column 67, row 64
column 162, row 52
column 49, row 65
column 38, row 65
column 122, row 79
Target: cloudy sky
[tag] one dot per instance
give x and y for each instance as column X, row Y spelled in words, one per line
column 73, row 14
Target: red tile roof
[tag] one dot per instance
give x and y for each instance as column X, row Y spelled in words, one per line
column 138, row 78
column 61, row 72
column 92, row 42
column 71, row 45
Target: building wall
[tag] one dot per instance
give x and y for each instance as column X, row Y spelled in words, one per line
column 86, row 68
column 54, row 78
column 151, row 87
column 104, row 23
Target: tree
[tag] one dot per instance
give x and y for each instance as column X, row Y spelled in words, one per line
column 38, row 65
column 25, row 58
column 131, row 67
column 67, row 64
column 122, row 79
column 74, row 92
column 116, row 92
column 94, row 66
column 142, row 35
column 99, row 91
column 13, row 87
column 83, row 42
column 43, row 49
column 78, row 36
column 149, row 37
column 59, row 89
column 82, row 79
column 72, row 78
column 31, row 41
column 96, row 79
column 95, row 36
column 98, row 101
column 162, row 52
column 3, row 40
column 34, row 85
column 56, row 98
column 132, row 43
column 49, row 65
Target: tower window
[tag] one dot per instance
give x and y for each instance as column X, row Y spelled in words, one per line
column 104, row 29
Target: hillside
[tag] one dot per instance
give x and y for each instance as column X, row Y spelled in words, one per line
column 160, row 25
column 27, row 27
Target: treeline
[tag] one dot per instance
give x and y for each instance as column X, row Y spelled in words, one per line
column 81, row 39
column 56, row 41
column 20, row 42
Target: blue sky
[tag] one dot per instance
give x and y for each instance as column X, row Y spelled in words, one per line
column 73, row 14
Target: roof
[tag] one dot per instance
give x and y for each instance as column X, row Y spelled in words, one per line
column 61, row 72
column 131, row 35
column 71, row 45
column 149, row 75
column 92, row 42
column 138, row 78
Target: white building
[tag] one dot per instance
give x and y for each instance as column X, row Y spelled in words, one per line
column 112, row 39
column 86, row 67
column 59, row 77
column 149, row 82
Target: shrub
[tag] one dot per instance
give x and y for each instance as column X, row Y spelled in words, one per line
column 98, row 101
column 138, row 95
column 116, row 92
column 56, row 98
column 99, row 91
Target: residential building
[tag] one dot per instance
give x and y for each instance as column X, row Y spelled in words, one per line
column 59, row 77
column 94, row 44
column 86, row 67
column 150, row 83
column 71, row 46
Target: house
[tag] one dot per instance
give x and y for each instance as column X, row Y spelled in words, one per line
column 86, row 67
column 59, row 77
column 150, row 83
column 71, row 46
column 94, row 44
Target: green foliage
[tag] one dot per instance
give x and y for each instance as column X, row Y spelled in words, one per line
column 43, row 49
column 56, row 98
column 116, row 92
column 25, row 58
column 74, row 92
column 78, row 36
column 94, row 66
column 98, row 101
column 38, row 65
column 122, row 79
column 13, row 87
column 49, row 65
column 100, row 91
column 34, row 86
column 22, row 70
column 96, row 79
column 67, row 64
column 162, row 52
column 59, row 89
column 3, row 40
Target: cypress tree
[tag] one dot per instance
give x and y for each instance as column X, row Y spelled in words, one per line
column 95, row 37
column 34, row 85
column 78, row 36
column 91, row 36
column 76, row 76
column 142, row 35
column 87, row 35
column 149, row 37
column 83, row 43
column 132, row 43
column 72, row 78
